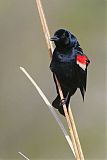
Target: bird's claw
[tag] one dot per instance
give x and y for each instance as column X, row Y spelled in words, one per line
column 63, row 101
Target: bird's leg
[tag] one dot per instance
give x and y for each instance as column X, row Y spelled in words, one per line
column 64, row 100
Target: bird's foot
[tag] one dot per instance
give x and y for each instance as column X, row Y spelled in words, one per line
column 58, row 103
column 64, row 100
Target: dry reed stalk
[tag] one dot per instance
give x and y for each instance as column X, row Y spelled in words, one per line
column 23, row 156
column 69, row 118
column 75, row 134
column 50, row 108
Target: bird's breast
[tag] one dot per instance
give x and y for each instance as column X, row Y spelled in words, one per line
column 65, row 69
column 66, row 56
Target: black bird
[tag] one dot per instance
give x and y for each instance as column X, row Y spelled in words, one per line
column 69, row 64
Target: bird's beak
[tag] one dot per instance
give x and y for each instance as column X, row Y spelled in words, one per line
column 54, row 38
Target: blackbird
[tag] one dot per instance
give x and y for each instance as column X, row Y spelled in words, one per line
column 69, row 65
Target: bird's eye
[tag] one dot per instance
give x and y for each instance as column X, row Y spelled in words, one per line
column 63, row 36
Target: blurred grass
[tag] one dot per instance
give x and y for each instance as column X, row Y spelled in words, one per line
column 26, row 125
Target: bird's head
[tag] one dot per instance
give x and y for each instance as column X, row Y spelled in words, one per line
column 63, row 39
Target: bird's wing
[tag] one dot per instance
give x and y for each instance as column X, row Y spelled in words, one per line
column 83, row 81
column 82, row 62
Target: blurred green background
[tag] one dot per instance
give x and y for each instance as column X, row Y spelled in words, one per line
column 26, row 124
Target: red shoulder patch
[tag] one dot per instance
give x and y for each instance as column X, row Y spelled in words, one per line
column 82, row 59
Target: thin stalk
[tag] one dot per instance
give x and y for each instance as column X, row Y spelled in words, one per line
column 69, row 118
column 50, row 107
column 75, row 133
column 23, row 156
column 50, row 47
